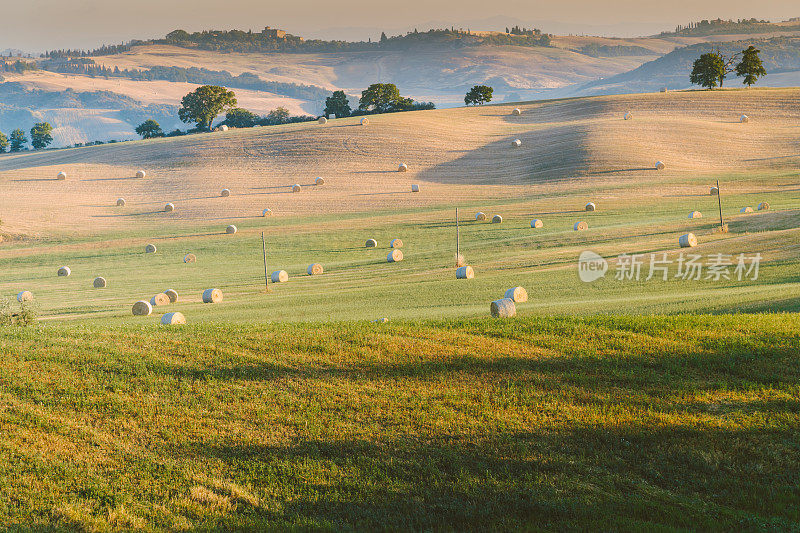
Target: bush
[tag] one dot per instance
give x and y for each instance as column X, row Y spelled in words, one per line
column 22, row 314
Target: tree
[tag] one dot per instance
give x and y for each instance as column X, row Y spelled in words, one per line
column 383, row 98
column 337, row 104
column 3, row 142
column 708, row 70
column 41, row 135
column 202, row 105
column 149, row 129
column 479, row 95
column 750, row 67
column 240, row 118
column 18, row 140
column 279, row 115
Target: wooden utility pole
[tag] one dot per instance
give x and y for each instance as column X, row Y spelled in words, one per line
column 458, row 247
column 719, row 202
column 264, row 253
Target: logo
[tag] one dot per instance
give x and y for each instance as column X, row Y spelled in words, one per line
column 591, row 266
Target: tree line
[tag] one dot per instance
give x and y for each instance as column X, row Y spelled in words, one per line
column 41, row 137
column 711, row 69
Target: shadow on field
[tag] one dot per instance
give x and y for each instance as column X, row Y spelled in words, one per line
column 594, row 476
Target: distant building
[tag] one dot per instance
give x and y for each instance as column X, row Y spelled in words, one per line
column 274, row 33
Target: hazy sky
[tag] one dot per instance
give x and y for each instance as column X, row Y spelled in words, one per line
column 46, row 24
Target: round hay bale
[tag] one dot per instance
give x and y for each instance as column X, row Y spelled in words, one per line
column 516, row 112
column 628, row 116
column 480, row 216
column 266, row 212
column 516, row 143
column 414, row 187
column 159, row 299
column 590, row 207
column 231, row 229
column 64, row 271
column 142, row 308
column 747, row 209
column 395, row 256
column 173, row 319
column 465, row 272
column 713, row 191
column 99, row 282
column 319, row 181
column 225, row 193
column 695, row 214
column 279, row 276
column 141, row 173
column 24, row 296
column 121, row 202
column 223, row 128
column 536, row 223
column 580, row 226
column 315, row 269
column 497, row 219
column 296, row 187
column 518, row 294
column 212, row 296
column 744, row 118
column 61, row 176
column 660, row 165
column 150, row 249
column 172, row 294
column 503, row 308
column 323, row 120
column 364, row 121
column 371, row 243
column 402, row 168
column 396, row 243
column 169, row 208
column 687, row 241
column 189, row 258
column 763, row 206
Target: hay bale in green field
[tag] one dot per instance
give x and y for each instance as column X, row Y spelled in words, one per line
column 315, row 269
column 64, row 271
column 24, row 296
column 189, row 258
column 395, row 256
column 465, row 272
column 747, row 209
column 173, row 319
column 279, row 276
column 590, row 207
column 159, row 299
column 763, row 206
column 687, row 241
column 580, row 226
column 396, row 243
column 150, row 249
column 480, row 216
column 536, row 223
column 503, row 308
column 172, row 294
column 518, row 294
column 371, row 243
column 497, row 219
column 212, row 296
column 142, row 308
column 99, row 282
column 231, row 229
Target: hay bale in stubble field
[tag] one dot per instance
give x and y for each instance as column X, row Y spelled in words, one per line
column 141, row 173
column 394, row 256
column 713, row 191
column 503, row 308
column 628, row 116
column 480, row 216
column 225, row 193
column 61, row 176
column 364, row 121
column 279, row 276
column 497, row 219
column 231, row 229
column 24, row 296
column 414, row 187
column 266, row 212
column 212, row 296
column 99, row 282
column 189, row 258
column 516, row 112
column 590, row 207
column 744, row 118
column 172, row 319
column 64, row 271
column 172, row 294
column 580, row 226
column 396, row 243
column 169, row 208
column 159, row 299
column 536, row 223
column 402, row 168
column 763, row 206
column 121, row 202
column 314, row 269
column 142, row 308
column 687, row 241
column 150, row 249
column 695, row 214
column 319, row 181
column 516, row 143
column 371, row 243
column 660, row 165
column 465, row 272
column 323, row 120
column 296, row 187
column 518, row 294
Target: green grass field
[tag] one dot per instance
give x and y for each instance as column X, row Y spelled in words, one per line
column 626, row 423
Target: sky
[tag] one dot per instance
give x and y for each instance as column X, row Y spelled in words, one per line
column 37, row 25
